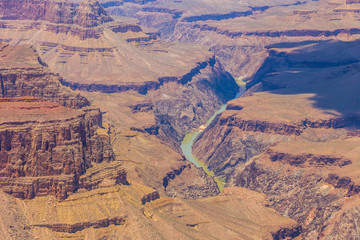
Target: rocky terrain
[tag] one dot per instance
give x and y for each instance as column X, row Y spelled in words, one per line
column 287, row 149
column 304, row 157
column 24, row 74
column 238, row 32
column 69, row 170
column 45, row 148
column 92, row 52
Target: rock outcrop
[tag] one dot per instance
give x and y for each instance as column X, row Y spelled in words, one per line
column 295, row 142
column 57, row 16
column 239, row 32
column 45, row 148
column 52, row 11
column 22, row 73
column 307, row 159
column 88, row 14
column 300, row 194
column 189, row 183
column 205, row 90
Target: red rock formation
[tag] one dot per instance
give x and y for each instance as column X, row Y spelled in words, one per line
column 52, row 11
column 45, row 148
column 63, row 16
column 22, row 73
column 88, row 14
column 91, row 14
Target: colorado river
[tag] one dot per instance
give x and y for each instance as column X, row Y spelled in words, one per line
column 188, row 141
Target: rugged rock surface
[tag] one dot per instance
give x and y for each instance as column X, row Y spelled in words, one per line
column 301, row 193
column 91, row 14
column 296, row 142
column 238, row 32
column 88, row 14
column 45, row 147
column 180, row 111
column 117, row 212
column 197, row 185
column 124, row 195
column 22, row 73
column 52, row 11
column 185, row 83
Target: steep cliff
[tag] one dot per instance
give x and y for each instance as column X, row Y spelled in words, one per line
column 52, row 11
column 297, row 141
column 316, row 199
column 22, row 73
column 204, row 90
column 119, row 61
column 238, row 32
column 88, row 14
column 45, row 147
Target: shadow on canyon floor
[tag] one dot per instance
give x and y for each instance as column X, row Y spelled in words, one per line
column 330, row 70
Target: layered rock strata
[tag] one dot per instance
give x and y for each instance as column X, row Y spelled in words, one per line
column 205, row 90
column 155, row 70
column 88, row 14
column 238, row 32
column 45, row 148
column 192, row 76
column 22, row 73
column 297, row 141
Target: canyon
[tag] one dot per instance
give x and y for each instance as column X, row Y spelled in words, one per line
column 239, row 32
column 304, row 157
column 289, row 135
column 97, row 97
column 66, row 173
column 87, row 102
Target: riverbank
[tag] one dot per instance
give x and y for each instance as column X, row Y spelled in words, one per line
column 188, row 141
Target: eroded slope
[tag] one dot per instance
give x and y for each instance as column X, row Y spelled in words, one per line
column 297, row 141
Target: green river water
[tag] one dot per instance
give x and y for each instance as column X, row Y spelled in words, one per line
column 188, row 141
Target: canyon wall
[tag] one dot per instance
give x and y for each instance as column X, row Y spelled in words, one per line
column 63, row 12
column 45, row 148
column 24, row 74
column 46, row 144
column 290, row 138
column 203, row 92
